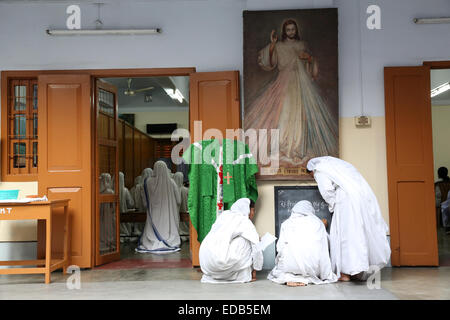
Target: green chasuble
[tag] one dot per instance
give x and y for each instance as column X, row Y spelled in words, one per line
column 218, row 176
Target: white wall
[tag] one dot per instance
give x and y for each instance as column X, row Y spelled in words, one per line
column 207, row 35
column 181, row 118
column 441, row 137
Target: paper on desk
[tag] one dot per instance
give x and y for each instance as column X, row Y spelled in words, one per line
column 266, row 240
column 24, row 200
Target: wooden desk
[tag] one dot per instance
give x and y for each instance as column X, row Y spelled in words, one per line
column 39, row 210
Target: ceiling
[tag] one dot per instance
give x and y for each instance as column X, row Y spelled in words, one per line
column 160, row 100
column 439, row 77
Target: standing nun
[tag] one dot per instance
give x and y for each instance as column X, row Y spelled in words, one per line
column 162, row 199
column 358, row 238
column 303, row 255
column 229, row 254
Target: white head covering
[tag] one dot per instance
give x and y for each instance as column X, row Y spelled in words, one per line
column 137, row 180
column 303, row 208
column 241, row 206
column 179, row 177
column 146, row 173
column 106, row 183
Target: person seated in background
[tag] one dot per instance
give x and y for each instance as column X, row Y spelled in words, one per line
column 302, row 247
column 445, row 212
column 162, row 200
column 442, row 187
column 229, row 252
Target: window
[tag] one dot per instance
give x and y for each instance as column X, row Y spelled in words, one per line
column 22, row 127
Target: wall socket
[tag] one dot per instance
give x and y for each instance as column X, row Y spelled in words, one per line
column 363, row 122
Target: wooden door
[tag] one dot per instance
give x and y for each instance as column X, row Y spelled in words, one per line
column 64, row 153
column 410, row 166
column 214, row 100
column 107, row 218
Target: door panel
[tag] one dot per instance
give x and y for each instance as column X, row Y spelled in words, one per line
column 410, row 166
column 214, row 99
column 107, row 244
column 65, row 156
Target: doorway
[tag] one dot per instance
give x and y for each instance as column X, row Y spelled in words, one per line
column 440, row 106
column 135, row 118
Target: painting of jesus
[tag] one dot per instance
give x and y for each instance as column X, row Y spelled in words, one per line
column 291, row 84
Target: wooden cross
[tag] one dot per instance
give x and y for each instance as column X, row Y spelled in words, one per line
column 228, row 177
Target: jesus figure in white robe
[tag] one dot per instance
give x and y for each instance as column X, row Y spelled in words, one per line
column 292, row 102
column 229, row 254
column 358, row 232
column 303, row 255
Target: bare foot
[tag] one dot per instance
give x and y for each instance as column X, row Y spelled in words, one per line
column 295, row 284
column 344, row 277
column 253, row 276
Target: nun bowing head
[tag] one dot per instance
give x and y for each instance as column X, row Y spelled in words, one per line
column 241, row 206
column 303, row 207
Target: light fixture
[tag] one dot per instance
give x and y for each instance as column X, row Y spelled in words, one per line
column 440, row 89
column 175, row 94
column 68, row 32
column 431, row 20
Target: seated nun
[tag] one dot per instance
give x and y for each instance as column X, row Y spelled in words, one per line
column 229, row 254
column 302, row 247
column 162, row 200
column 126, row 204
column 184, row 225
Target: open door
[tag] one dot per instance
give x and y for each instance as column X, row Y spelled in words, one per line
column 64, row 154
column 214, row 100
column 107, row 218
column 410, row 166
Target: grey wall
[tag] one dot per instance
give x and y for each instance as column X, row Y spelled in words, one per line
column 207, row 34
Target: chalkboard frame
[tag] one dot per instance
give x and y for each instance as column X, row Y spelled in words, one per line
column 276, row 189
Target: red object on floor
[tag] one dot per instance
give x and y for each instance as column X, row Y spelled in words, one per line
column 146, row 264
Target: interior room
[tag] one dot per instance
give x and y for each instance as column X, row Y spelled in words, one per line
column 91, row 93
column 149, row 110
column 440, row 117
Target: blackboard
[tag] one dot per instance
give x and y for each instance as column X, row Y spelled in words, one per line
column 286, row 197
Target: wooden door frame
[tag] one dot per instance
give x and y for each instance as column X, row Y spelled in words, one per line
column 95, row 74
column 394, row 215
column 124, row 73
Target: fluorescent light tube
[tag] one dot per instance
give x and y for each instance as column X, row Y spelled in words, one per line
column 102, row 32
column 440, row 89
column 431, row 20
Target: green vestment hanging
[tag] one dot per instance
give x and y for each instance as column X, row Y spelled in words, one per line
column 218, row 176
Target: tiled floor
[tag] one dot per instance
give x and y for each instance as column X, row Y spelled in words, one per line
column 140, row 276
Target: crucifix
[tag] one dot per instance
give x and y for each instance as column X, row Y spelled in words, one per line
column 228, row 177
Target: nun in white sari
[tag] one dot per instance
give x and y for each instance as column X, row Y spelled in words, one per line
column 229, row 254
column 303, row 255
column 358, row 238
column 162, row 197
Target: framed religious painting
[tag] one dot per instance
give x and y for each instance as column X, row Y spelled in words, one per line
column 291, row 103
